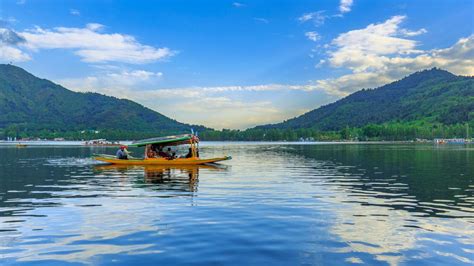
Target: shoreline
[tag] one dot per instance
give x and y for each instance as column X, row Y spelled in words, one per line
column 212, row 143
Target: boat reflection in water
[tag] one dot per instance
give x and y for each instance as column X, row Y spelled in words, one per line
column 169, row 177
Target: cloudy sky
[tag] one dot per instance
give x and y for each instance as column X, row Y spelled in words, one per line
column 228, row 64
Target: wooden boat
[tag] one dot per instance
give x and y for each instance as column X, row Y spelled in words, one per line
column 158, row 143
column 158, row 161
column 19, row 145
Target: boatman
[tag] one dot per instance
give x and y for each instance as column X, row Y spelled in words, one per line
column 122, row 153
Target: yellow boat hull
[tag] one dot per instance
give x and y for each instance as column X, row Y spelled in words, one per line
column 160, row 167
column 161, row 161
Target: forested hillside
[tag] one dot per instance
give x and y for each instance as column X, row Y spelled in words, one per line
column 34, row 107
column 427, row 104
column 431, row 95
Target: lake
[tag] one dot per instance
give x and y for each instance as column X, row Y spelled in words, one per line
column 272, row 204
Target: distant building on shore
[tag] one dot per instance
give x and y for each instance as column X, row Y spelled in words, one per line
column 452, row 141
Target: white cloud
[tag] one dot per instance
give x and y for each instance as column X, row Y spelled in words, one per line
column 111, row 82
column 318, row 18
column 361, row 49
column 6, row 21
column 408, row 33
column 262, row 20
column 131, row 78
column 238, row 5
column 223, row 112
column 9, row 37
column 313, row 36
column 379, row 54
column 345, row 6
column 345, row 84
column 95, row 26
column 201, row 91
column 377, row 38
column 92, row 45
column 305, row 17
column 74, row 12
column 8, row 53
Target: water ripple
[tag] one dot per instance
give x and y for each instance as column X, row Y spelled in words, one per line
column 276, row 204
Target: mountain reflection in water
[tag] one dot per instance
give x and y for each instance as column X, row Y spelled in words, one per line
column 421, row 180
column 383, row 191
column 281, row 204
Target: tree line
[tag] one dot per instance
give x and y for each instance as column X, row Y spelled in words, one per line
column 395, row 131
column 387, row 131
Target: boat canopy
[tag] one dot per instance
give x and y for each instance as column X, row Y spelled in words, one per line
column 167, row 141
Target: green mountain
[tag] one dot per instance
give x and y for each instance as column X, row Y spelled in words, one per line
column 30, row 106
column 431, row 96
column 427, row 104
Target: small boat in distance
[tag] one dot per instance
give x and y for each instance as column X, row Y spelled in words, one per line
column 154, row 144
column 19, row 145
column 101, row 142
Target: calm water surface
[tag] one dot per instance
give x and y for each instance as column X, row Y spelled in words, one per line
column 378, row 204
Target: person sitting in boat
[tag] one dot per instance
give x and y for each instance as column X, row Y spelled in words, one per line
column 150, row 153
column 190, row 153
column 170, row 154
column 122, row 153
column 161, row 153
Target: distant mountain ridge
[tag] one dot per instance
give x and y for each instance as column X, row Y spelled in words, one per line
column 35, row 104
column 433, row 95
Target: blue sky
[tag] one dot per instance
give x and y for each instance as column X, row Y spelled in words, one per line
column 234, row 64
